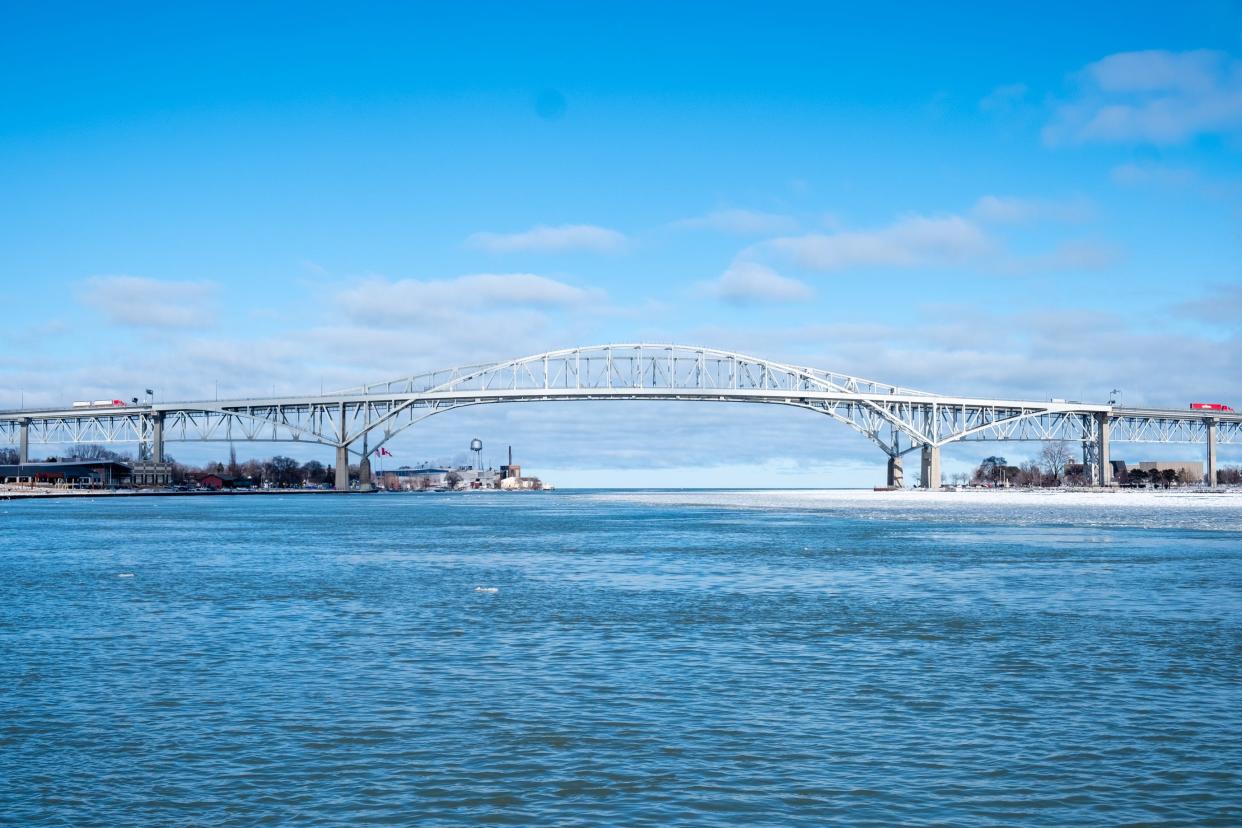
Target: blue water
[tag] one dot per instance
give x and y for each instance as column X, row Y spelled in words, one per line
column 650, row 659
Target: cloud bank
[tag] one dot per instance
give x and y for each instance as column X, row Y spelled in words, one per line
column 1155, row 96
column 543, row 238
column 748, row 282
column 405, row 301
column 740, row 222
column 139, row 302
column 910, row 242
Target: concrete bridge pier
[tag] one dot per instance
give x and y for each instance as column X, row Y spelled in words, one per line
column 157, row 438
column 1211, row 452
column 23, row 444
column 895, row 477
column 341, row 482
column 342, row 469
column 931, row 467
column 1104, row 468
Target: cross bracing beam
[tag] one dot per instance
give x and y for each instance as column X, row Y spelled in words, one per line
column 897, row 419
column 1149, row 426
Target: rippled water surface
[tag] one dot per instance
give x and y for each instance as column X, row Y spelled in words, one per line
column 649, row 658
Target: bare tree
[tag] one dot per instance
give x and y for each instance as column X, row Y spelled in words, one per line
column 93, row 451
column 1029, row 474
column 283, row 471
column 314, row 472
column 452, row 479
column 991, row 470
column 1055, row 457
column 252, row 469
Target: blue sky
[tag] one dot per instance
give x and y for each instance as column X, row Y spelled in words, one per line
column 1036, row 202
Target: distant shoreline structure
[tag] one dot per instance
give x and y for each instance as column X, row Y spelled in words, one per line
column 915, row 495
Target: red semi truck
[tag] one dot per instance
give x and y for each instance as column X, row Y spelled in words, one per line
column 1209, row 407
column 98, row 403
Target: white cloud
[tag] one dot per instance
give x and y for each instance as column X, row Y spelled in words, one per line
column 1014, row 210
column 1151, row 173
column 380, row 301
column 740, row 222
column 551, row 239
column 1221, row 306
column 746, row 282
column 1073, row 256
column 149, row 303
column 1004, row 98
column 909, row 242
column 1152, row 96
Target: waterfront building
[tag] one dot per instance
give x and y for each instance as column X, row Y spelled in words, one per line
column 217, row 481
column 150, row 473
column 1189, row 469
column 67, row 473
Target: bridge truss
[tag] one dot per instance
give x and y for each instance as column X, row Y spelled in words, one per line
column 361, row 419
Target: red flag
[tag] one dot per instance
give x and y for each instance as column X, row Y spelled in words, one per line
column 385, row 452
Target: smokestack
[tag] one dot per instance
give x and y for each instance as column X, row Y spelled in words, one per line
column 510, row 455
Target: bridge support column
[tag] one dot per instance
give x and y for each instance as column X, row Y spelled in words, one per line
column 364, row 474
column 157, row 438
column 342, row 469
column 895, row 477
column 1211, row 452
column 23, row 443
column 1104, row 469
column 931, row 467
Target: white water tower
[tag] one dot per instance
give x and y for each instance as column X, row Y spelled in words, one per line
column 476, row 446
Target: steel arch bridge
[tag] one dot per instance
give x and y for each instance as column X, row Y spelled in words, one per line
column 360, row 420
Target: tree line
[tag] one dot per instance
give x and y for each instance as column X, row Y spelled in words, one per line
column 1055, row 466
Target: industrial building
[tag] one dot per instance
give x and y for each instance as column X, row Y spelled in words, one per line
column 424, row 477
column 508, row 476
column 440, row 477
column 1188, row 469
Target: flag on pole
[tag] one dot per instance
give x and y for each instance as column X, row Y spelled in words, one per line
column 383, row 452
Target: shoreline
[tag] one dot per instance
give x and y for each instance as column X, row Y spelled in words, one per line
column 13, row 494
column 947, row 495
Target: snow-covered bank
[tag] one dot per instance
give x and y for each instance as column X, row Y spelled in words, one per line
column 1173, row 508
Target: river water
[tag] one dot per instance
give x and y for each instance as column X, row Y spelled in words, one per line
column 598, row 658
